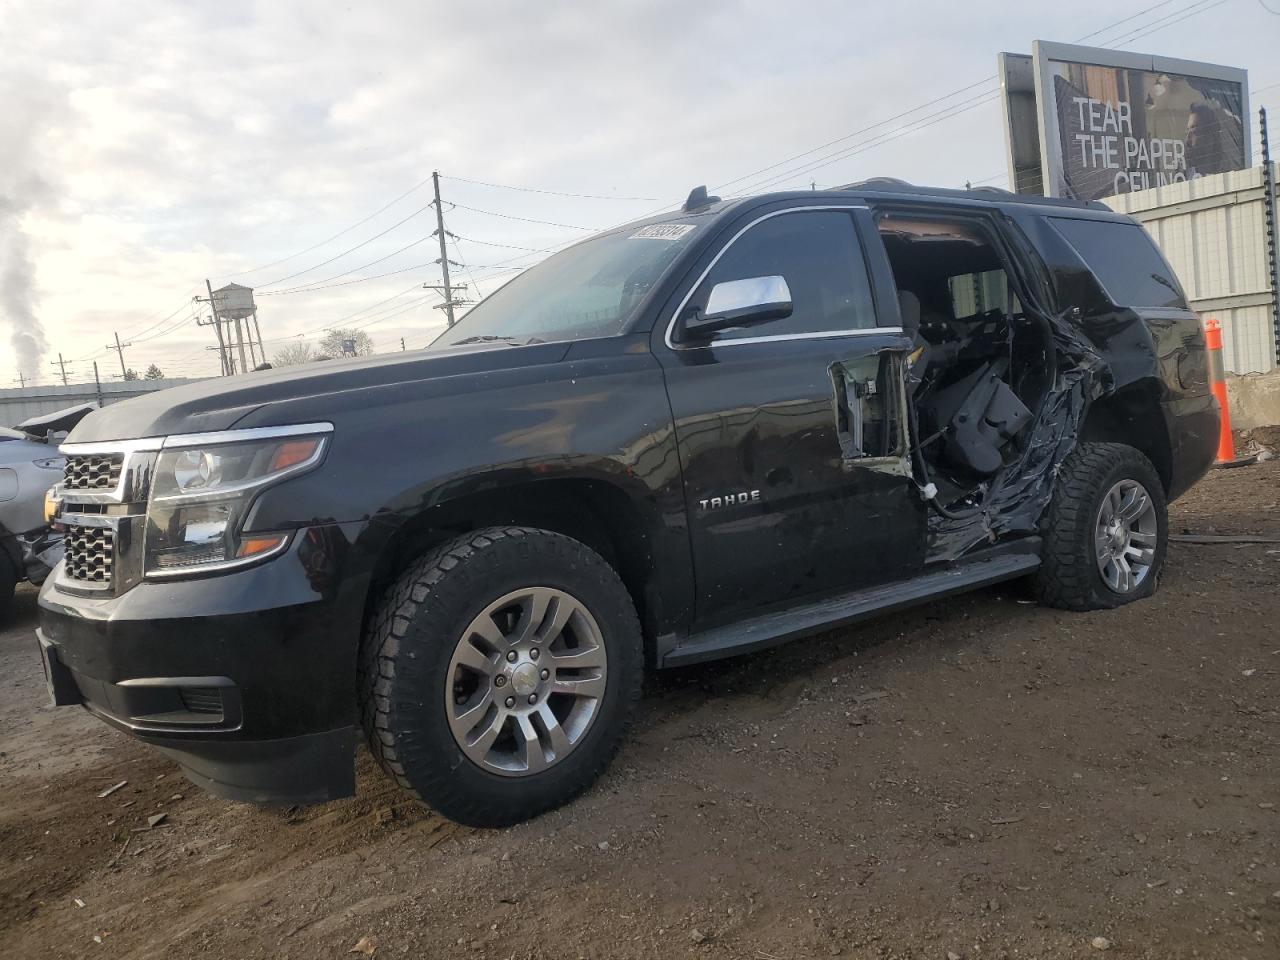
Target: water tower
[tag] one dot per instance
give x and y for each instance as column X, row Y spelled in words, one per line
column 233, row 304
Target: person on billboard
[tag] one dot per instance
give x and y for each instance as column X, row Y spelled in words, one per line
column 1213, row 139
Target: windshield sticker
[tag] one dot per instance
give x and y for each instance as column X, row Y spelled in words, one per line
column 662, row 231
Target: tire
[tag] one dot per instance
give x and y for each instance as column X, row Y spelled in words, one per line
column 1076, row 531
column 418, row 683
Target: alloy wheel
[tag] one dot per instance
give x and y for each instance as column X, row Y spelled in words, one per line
column 526, row 681
column 1125, row 536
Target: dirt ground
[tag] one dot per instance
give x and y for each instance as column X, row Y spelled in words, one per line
column 977, row 778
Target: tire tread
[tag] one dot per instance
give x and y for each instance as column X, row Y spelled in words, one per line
column 435, row 578
column 1067, row 577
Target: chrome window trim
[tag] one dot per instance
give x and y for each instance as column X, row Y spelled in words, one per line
column 812, row 335
column 183, row 440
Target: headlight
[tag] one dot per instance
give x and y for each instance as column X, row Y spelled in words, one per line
column 51, row 504
column 202, row 489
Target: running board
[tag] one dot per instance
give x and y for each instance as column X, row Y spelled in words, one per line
column 771, row 629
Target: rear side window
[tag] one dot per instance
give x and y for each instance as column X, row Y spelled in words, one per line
column 818, row 254
column 1125, row 261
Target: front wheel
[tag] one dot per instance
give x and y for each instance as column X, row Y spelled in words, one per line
column 499, row 673
column 1105, row 532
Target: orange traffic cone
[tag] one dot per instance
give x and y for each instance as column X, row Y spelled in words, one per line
column 1218, row 384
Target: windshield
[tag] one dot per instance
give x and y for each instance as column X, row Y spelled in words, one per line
column 591, row 289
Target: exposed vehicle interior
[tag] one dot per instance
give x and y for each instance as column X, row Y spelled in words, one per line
column 981, row 363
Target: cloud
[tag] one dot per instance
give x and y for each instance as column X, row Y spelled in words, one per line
column 147, row 152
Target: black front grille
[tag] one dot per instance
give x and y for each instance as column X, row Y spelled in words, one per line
column 95, row 471
column 89, row 553
column 202, row 699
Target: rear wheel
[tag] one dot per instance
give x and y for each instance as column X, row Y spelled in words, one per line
column 1106, row 531
column 499, row 673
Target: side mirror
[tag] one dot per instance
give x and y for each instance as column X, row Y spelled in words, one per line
column 739, row 303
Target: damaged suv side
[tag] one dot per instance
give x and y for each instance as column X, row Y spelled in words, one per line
column 686, row 438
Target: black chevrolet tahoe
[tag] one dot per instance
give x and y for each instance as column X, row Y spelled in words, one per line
column 693, row 436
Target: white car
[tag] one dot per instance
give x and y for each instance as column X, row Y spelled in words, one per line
column 29, row 466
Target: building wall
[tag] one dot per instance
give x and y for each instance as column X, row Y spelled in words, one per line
column 23, row 403
column 1213, row 230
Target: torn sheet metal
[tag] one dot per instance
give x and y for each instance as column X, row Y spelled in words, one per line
column 1020, row 492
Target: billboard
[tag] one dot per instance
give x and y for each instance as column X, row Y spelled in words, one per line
column 1109, row 122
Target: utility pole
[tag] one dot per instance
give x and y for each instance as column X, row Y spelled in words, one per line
column 61, row 366
column 22, row 380
column 1271, row 216
column 444, row 256
column 451, row 300
column 119, row 349
column 224, row 348
column 221, row 347
column 213, row 305
column 97, row 383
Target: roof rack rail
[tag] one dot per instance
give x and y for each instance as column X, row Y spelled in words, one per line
column 881, row 182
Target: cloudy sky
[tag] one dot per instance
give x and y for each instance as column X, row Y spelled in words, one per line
column 284, row 145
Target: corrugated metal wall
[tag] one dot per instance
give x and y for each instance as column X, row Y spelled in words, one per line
column 23, row 403
column 1213, row 230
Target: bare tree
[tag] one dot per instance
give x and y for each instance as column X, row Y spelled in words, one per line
column 294, row 353
column 340, row 342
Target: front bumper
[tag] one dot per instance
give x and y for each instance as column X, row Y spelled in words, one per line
column 247, row 678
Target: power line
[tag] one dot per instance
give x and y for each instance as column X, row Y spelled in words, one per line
column 1186, row 13
column 1135, row 16
column 507, row 216
column 850, row 136
column 914, row 126
column 508, row 246
column 402, row 309
column 465, row 266
column 354, row 280
column 345, row 273
column 554, row 193
column 954, row 109
column 417, row 186
column 326, row 283
column 373, row 306
column 339, row 256
column 176, row 325
column 906, row 113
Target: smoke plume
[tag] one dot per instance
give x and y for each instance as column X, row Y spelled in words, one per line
column 22, row 188
column 17, row 293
